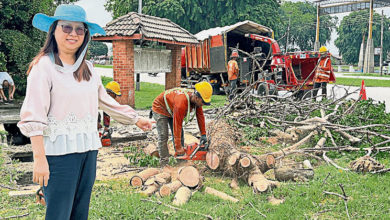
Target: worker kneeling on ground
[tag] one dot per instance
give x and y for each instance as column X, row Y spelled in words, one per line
column 321, row 79
column 233, row 73
column 114, row 90
column 174, row 106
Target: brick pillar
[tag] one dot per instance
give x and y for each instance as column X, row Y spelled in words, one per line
column 123, row 65
column 173, row 78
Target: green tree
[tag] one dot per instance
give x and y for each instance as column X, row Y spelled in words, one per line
column 303, row 19
column 19, row 40
column 351, row 31
column 97, row 48
column 197, row 15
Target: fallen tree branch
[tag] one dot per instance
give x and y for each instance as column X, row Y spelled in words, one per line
column 257, row 210
column 15, row 216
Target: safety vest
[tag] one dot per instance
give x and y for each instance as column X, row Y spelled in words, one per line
column 322, row 74
column 232, row 70
column 185, row 91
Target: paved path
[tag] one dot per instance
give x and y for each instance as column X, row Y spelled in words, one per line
column 381, row 94
column 342, row 75
column 159, row 79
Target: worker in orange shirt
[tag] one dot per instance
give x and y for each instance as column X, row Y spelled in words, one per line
column 233, row 73
column 323, row 73
column 173, row 107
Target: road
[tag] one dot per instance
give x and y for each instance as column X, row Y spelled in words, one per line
column 159, row 79
column 342, row 75
column 381, row 94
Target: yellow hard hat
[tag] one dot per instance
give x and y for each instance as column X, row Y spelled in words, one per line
column 205, row 91
column 323, row 49
column 114, row 87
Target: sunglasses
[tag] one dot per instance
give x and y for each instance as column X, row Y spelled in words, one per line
column 68, row 29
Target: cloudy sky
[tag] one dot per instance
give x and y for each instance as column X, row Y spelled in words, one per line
column 97, row 13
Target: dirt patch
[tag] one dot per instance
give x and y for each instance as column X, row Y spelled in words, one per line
column 112, row 163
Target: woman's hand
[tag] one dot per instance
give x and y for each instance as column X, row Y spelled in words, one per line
column 41, row 173
column 145, row 124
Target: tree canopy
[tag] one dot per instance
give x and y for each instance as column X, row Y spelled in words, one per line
column 351, row 31
column 303, row 20
column 19, row 40
column 198, row 15
column 97, row 48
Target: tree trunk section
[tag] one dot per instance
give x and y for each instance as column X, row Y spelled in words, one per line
column 151, row 150
column 182, row 196
column 189, row 176
column 235, row 163
column 139, row 178
column 221, row 195
column 170, row 188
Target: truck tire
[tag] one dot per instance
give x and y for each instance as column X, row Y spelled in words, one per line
column 15, row 136
column 261, row 89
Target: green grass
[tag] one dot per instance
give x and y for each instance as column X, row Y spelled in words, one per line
column 358, row 82
column 367, row 74
column 115, row 199
column 103, row 66
column 106, row 80
column 149, row 91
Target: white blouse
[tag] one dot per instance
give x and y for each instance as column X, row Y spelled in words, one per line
column 65, row 111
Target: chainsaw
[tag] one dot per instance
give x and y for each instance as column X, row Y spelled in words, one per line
column 106, row 137
column 194, row 151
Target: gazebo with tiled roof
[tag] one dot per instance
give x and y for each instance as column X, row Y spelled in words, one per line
column 128, row 30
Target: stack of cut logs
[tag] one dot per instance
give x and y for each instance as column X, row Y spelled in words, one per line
column 223, row 156
column 154, row 181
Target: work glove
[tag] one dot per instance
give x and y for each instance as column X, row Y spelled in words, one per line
column 203, row 139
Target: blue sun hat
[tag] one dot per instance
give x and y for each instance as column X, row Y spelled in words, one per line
column 67, row 13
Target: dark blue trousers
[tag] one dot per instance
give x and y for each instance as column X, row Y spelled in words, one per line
column 68, row 192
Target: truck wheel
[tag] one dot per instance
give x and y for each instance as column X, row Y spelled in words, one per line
column 261, row 90
column 14, row 136
column 216, row 88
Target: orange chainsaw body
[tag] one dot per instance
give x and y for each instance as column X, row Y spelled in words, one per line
column 194, row 151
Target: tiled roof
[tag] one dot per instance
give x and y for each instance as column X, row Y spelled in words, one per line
column 149, row 27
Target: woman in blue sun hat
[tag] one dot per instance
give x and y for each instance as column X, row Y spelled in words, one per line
column 60, row 112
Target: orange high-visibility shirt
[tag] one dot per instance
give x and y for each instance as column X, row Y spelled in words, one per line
column 178, row 104
column 323, row 70
column 232, row 70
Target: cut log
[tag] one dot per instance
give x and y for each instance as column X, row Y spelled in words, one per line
column 182, row 196
column 139, row 178
column 151, row 150
column 232, row 160
column 258, row 182
column 212, row 160
column 150, row 190
column 245, row 162
column 189, row 176
column 264, row 162
column 221, row 195
column 223, row 149
column 169, row 188
column 162, row 178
